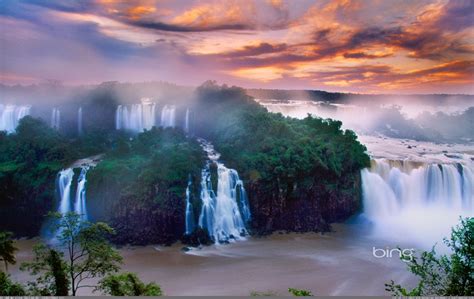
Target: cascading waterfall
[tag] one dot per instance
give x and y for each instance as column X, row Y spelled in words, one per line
column 55, row 118
column 190, row 224
column 79, row 121
column 168, row 116
column 417, row 202
column 137, row 117
column 80, row 203
column 223, row 214
column 65, row 186
column 10, row 116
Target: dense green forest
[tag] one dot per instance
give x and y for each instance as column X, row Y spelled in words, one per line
column 300, row 175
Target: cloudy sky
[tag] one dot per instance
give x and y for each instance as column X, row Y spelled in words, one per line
column 357, row 46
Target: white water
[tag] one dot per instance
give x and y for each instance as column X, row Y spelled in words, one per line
column 65, row 184
column 417, row 202
column 55, row 118
column 79, row 121
column 10, row 116
column 137, row 117
column 220, row 214
column 64, row 188
column 186, row 121
column 168, row 116
column 190, row 223
column 80, row 203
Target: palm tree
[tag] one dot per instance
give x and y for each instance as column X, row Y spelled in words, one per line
column 7, row 249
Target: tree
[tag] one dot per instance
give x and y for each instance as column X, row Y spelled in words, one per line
column 7, row 249
column 50, row 270
column 9, row 288
column 128, row 284
column 446, row 275
column 87, row 254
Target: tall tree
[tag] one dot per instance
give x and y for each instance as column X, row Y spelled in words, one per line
column 7, row 249
column 87, row 253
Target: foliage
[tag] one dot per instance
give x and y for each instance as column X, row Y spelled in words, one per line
column 128, row 284
column 29, row 162
column 139, row 187
column 445, row 275
column 88, row 255
column 9, row 288
column 299, row 293
column 7, row 249
column 291, row 166
column 49, row 268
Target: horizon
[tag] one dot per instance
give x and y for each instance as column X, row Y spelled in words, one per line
column 409, row 48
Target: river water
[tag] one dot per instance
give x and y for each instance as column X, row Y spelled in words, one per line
column 336, row 263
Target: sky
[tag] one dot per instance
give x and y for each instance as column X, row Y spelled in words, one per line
column 372, row 46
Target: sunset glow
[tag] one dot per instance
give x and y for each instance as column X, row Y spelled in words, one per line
column 349, row 46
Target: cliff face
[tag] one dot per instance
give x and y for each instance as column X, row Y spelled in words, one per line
column 307, row 209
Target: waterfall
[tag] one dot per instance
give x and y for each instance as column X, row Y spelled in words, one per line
column 80, row 203
column 190, row 225
column 55, row 119
column 79, row 121
column 10, row 116
column 417, row 202
column 168, row 116
column 186, row 121
column 64, row 187
column 223, row 214
column 137, row 117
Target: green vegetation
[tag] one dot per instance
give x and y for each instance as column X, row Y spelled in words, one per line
column 88, row 255
column 29, row 162
column 81, row 252
column 128, row 284
column 139, row 187
column 291, row 167
column 7, row 249
column 299, row 293
column 10, row 288
column 445, row 275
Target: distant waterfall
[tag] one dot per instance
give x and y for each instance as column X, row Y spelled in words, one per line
column 10, row 116
column 186, row 121
column 137, row 117
column 79, row 121
column 223, row 214
column 419, row 202
column 190, row 223
column 65, row 186
column 168, row 116
column 55, row 119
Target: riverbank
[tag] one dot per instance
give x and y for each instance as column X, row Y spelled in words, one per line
column 336, row 263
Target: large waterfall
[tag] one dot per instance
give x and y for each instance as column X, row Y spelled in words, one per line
column 65, row 186
column 10, row 116
column 223, row 214
column 55, row 118
column 168, row 116
column 417, row 202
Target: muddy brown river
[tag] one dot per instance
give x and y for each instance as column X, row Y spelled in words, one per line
column 336, row 263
